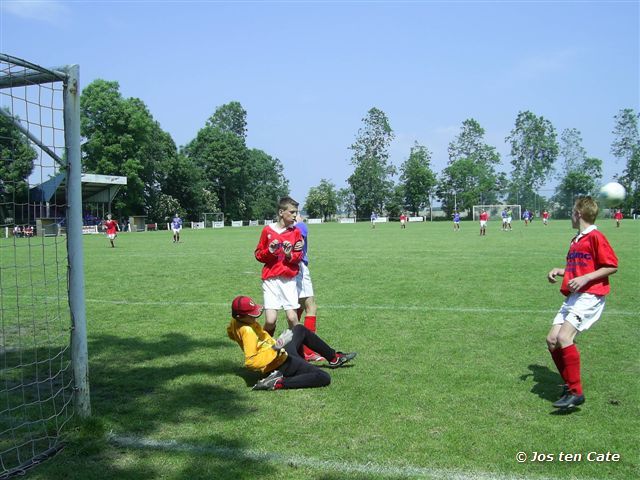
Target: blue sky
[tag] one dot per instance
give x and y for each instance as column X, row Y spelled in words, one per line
column 308, row 72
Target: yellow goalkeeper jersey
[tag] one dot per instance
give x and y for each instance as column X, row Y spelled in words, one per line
column 256, row 345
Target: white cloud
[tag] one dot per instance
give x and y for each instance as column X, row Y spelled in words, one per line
column 48, row 11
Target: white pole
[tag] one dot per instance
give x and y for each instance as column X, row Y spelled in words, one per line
column 79, row 350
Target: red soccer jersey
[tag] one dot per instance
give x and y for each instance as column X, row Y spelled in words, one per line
column 276, row 264
column 484, row 216
column 112, row 226
column 545, row 215
column 618, row 216
column 587, row 254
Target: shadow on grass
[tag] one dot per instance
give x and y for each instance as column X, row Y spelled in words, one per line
column 547, row 382
column 144, row 387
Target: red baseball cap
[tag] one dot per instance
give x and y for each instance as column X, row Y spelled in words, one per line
column 242, row 305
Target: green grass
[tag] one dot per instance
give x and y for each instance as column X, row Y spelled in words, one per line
column 452, row 374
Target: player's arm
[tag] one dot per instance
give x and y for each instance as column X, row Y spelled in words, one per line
column 556, row 272
column 255, row 355
column 265, row 251
column 293, row 255
column 578, row 283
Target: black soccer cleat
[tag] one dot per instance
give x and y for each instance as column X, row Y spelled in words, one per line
column 569, row 400
column 341, row 358
column 269, row 382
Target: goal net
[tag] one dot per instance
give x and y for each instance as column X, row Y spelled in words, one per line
column 42, row 318
column 495, row 211
column 214, row 220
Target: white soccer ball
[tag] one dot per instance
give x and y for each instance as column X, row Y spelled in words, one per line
column 612, row 194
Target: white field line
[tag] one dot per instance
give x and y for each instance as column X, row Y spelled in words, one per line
column 395, row 308
column 343, row 467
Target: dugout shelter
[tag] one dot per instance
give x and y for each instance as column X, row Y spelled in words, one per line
column 49, row 202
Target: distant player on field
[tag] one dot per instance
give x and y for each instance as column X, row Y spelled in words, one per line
column 618, row 217
column 176, row 227
column 403, row 220
column 374, row 218
column 585, row 283
column 456, row 221
column 545, row 217
column 526, row 216
column 112, row 228
column 509, row 217
column 484, row 218
column 280, row 250
column 305, row 292
column 503, row 214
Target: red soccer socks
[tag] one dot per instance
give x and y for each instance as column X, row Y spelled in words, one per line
column 571, row 371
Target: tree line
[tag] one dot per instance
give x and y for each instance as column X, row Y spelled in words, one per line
column 471, row 176
column 217, row 172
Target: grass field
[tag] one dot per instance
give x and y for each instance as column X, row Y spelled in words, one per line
column 452, row 377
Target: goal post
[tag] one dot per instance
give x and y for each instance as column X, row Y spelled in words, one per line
column 495, row 211
column 214, row 219
column 43, row 331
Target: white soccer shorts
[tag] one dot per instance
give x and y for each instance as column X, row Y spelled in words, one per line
column 303, row 282
column 280, row 293
column 483, row 223
column 177, row 230
column 581, row 310
column 111, row 236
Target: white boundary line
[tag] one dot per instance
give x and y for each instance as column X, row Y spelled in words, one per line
column 315, row 463
column 411, row 308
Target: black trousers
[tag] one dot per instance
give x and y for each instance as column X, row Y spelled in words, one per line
column 297, row 372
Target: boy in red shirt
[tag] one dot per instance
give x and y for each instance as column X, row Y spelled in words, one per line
column 618, row 217
column 112, row 229
column 484, row 218
column 585, row 283
column 280, row 249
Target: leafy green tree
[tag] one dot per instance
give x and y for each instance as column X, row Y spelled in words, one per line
column 464, row 183
column 582, row 180
column 626, row 146
column 267, row 184
column 579, row 174
column 184, row 182
column 122, row 138
column 17, row 158
column 322, row 201
column 371, row 180
column 470, row 177
column 230, row 117
column 223, row 159
column 396, row 202
column 346, row 201
column 417, row 179
column 534, row 150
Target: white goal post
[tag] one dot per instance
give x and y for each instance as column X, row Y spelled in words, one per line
column 214, row 219
column 495, row 211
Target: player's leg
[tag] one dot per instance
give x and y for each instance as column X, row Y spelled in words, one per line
column 288, row 294
column 302, row 336
column 556, row 351
column 571, row 365
column 270, row 319
column 271, row 303
column 300, row 374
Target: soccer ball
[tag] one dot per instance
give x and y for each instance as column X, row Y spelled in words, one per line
column 612, row 194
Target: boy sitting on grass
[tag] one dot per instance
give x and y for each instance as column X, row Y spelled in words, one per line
column 281, row 359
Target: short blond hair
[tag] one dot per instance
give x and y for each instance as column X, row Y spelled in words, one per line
column 587, row 208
